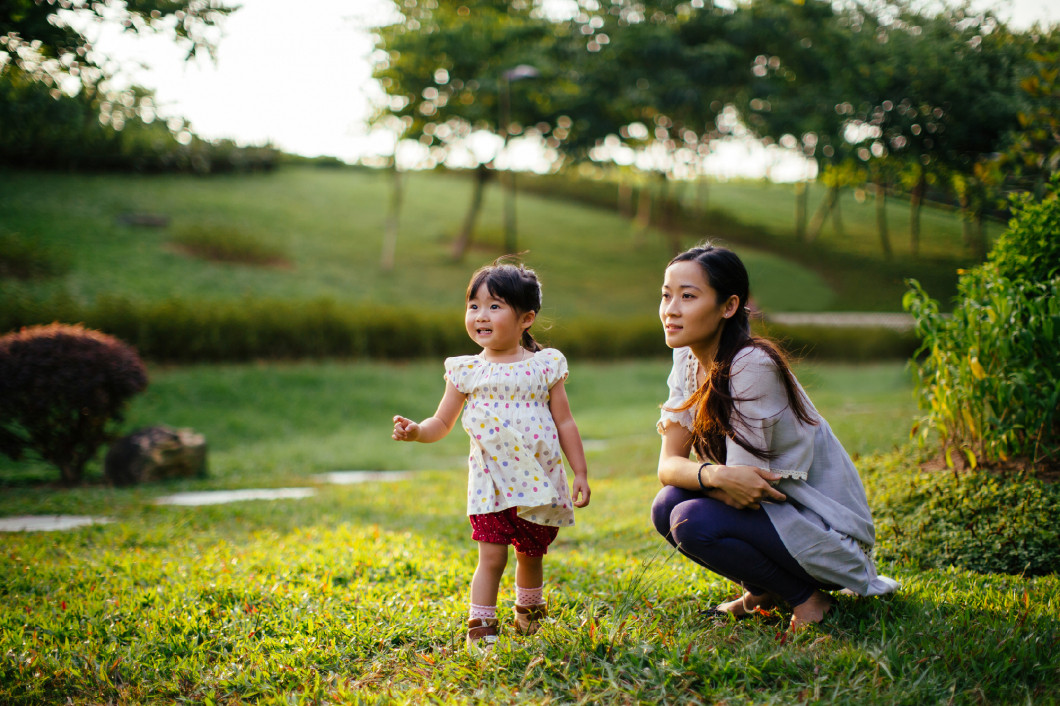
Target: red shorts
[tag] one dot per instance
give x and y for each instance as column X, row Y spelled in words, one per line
column 506, row 527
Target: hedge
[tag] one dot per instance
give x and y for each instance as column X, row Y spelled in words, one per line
column 198, row 331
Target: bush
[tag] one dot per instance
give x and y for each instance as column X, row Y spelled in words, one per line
column 249, row 329
column 976, row 521
column 989, row 379
column 62, row 390
column 226, row 243
column 28, row 258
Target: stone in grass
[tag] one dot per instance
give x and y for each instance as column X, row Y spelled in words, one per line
column 154, row 454
column 146, row 220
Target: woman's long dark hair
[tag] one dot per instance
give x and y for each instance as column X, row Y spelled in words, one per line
column 713, row 402
column 515, row 284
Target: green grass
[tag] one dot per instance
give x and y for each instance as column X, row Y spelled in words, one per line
column 273, row 424
column 357, row 595
column 329, row 225
column 772, row 207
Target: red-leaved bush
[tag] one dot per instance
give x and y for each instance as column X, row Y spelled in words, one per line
column 62, row 391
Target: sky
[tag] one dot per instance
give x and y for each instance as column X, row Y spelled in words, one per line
column 298, row 76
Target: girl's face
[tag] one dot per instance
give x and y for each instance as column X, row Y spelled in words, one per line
column 690, row 311
column 493, row 324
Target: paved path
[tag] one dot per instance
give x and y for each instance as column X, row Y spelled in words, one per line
column 897, row 322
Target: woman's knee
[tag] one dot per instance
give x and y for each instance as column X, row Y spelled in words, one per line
column 694, row 523
column 665, row 501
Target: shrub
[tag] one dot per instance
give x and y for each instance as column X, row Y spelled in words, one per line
column 62, row 390
column 28, row 258
column 977, row 521
column 226, row 243
column 189, row 331
column 989, row 379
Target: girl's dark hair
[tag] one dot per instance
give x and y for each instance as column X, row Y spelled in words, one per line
column 515, row 284
column 713, row 402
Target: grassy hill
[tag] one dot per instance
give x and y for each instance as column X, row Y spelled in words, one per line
column 323, row 229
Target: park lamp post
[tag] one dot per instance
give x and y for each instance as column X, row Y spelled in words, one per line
column 518, row 73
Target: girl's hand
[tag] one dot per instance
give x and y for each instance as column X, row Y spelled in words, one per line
column 405, row 429
column 580, row 493
column 746, row 487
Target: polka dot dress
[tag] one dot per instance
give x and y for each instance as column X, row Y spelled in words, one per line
column 515, row 458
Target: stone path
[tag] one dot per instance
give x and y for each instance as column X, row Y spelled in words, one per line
column 54, row 523
column 49, row 523
column 845, row 319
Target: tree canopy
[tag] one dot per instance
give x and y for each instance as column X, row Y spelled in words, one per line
column 886, row 91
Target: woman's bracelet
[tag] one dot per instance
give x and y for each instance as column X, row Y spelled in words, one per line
column 699, row 476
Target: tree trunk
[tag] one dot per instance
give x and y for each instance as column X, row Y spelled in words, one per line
column 643, row 217
column 817, row 222
column 916, row 200
column 979, row 240
column 702, row 194
column 966, row 217
column 70, row 472
column 671, row 213
column 881, row 219
column 510, row 242
column 837, row 216
column 397, row 195
column 463, row 239
column 802, row 197
column 625, row 199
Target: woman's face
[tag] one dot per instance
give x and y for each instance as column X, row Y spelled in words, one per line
column 690, row 311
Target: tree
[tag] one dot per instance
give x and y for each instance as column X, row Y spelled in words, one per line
column 941, row 95
column 799, row 65
column 446, row 72
column 61, row 105
column 1033, row 151
column 653, row 76
column 42, row 38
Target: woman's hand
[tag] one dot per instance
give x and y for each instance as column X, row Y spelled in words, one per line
column 743, row 487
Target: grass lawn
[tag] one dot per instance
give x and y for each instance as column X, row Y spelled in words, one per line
column 323, row 229
column 357, row 595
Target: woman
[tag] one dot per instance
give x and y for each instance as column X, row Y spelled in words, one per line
column 772, row 501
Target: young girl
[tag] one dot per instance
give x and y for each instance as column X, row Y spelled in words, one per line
column 772, row 501
column 516, row 412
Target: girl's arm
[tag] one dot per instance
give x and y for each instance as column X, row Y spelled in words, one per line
column 738, row 486
column 434, row 427
column 571, row 443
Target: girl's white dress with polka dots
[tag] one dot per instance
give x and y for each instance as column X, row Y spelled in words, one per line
column 515, row 458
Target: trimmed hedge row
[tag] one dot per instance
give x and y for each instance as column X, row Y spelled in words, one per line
column 250, row 329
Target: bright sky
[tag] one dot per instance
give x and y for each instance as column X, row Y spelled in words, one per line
column 299, row 75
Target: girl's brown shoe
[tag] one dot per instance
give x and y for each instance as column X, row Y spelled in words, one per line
column 528, row 618
column 481, row 633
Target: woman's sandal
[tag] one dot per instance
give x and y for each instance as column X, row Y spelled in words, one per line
column 482, row 633
column 528, row 618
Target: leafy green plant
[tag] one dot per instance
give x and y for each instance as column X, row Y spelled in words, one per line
column 989, row 376
column 977, row 521
column 61, row 390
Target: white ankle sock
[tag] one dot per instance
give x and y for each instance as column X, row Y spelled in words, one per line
column 486, row 612
column 529, row 596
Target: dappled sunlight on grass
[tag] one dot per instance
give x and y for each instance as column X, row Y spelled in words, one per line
column 358, row 593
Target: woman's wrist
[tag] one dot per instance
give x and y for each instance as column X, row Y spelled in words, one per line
column 704, row 486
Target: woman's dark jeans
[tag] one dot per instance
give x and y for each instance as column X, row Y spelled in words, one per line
column 740, row 545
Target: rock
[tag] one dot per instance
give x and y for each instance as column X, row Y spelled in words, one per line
column 146, row 220
column 154, row 454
